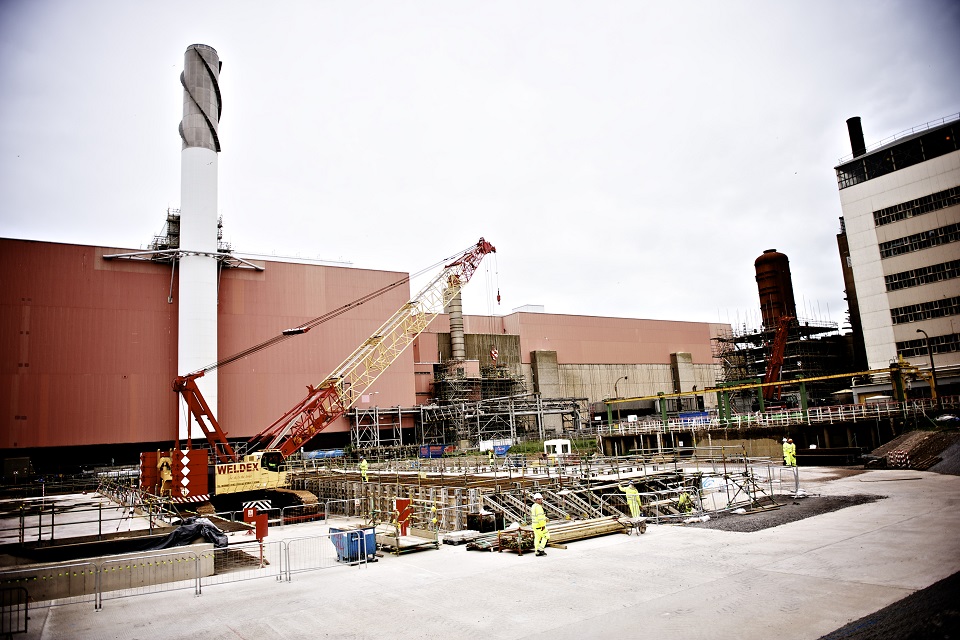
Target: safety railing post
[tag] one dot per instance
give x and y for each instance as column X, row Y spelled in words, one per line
column 98, row 588
column 197, row 573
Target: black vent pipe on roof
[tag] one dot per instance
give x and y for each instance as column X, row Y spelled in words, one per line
column 856, row 136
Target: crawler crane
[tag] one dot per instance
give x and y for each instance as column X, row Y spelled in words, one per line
column 260, row 475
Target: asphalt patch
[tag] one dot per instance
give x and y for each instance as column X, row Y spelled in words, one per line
column 929, row 614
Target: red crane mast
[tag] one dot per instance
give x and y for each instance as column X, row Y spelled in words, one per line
column 775, row 363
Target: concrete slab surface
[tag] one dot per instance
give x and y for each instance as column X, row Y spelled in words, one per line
column 795, row 581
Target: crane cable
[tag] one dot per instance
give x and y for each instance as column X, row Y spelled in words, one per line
column 295, row 331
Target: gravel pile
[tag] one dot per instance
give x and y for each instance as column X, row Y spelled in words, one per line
column 949, row 460
column 790, row 510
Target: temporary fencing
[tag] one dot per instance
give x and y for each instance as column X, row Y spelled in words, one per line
column 245, row 561
column 301, row 513
column 184, row 568
column 60, row 583
column 139, row 574
column 14, row 612
column 278, row 517
column 349, row 507
column 352, row 547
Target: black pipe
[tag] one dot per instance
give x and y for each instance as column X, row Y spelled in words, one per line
column 856, row 136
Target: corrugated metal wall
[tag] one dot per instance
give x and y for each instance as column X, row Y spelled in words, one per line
column 88, row 346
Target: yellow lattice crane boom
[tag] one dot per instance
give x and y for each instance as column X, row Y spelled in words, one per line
column 332, row 398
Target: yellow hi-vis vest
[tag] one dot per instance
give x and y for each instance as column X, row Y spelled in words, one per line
column 537, row 517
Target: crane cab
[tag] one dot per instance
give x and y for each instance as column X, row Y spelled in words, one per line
column 260, row 470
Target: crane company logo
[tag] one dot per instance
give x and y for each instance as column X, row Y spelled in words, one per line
column 240, row 467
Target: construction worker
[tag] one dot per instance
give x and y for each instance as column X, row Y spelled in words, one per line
column 684, row 503
column 363, row 468
column 165, row 470
column 790, row 453
column 538, row 519
column 633, row 498
column 491, row 457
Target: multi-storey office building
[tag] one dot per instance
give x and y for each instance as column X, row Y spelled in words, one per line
column 901, row 226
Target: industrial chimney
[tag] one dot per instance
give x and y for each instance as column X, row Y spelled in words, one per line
column 856, row 136
column 197, row 342
column 775, row 286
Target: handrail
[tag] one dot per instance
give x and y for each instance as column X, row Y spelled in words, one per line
column 782, row 417
column 902, row 134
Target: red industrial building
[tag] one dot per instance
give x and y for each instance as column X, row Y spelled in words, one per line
column 88, row 350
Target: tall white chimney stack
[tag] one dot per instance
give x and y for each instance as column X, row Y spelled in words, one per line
column 197, row 341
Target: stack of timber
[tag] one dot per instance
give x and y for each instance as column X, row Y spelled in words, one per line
column 521, row 539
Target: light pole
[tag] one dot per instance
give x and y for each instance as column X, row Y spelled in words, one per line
column 617, row 393
column 933, row 368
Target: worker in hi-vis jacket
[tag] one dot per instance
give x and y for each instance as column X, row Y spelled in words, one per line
column 363, row 468
column 539, row 521
column 633, row 498
column 790, row 453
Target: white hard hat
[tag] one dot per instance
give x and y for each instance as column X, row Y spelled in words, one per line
column 537, row 496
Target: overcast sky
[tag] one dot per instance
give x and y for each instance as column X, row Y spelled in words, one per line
column 628, row 159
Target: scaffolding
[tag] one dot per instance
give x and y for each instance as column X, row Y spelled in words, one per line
column 517, row 418
column 813, row 349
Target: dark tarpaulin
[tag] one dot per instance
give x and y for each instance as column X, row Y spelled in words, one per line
column 190, row 530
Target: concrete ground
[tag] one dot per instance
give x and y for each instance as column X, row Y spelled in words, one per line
column 803, row 579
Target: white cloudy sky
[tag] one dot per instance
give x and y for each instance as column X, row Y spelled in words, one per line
column 627, row 158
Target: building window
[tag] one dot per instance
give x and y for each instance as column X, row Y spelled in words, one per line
column 938, row 344
column 919, row 241
column 898, row 156
column 926, row 310
column 913, row 208
column 851, row 173
column 923, row 275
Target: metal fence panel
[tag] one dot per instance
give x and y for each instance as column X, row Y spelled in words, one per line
column 14, row 612
column 150, row 573
column 309, row 554
column 301, row 513
column 245, row 561
column 62, row 583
